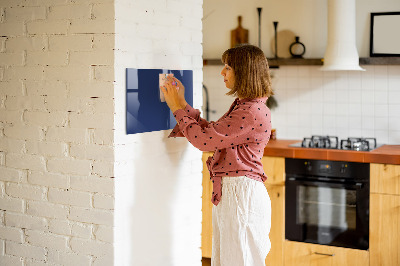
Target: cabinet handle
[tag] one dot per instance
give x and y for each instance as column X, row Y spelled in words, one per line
column 324, row 254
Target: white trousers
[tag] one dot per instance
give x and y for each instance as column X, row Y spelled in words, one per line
column 241, row 223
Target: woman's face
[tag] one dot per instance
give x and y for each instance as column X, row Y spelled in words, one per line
column 229, row 76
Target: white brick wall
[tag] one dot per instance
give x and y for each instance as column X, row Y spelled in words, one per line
column 156, row 177
column 56, row 132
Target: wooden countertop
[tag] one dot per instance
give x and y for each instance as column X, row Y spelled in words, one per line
column 389, row 154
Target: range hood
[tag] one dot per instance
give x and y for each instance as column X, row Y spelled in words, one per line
column 341, row 51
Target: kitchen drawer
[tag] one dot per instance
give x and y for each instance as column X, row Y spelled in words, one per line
column 305, row 254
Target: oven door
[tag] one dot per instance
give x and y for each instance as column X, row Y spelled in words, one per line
column 327, row 213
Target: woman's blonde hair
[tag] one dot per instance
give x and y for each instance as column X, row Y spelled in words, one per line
column 250, row 66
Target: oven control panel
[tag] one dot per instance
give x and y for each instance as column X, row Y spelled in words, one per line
column 338, row 169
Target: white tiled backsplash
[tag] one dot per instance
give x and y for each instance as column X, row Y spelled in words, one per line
column 314, row 102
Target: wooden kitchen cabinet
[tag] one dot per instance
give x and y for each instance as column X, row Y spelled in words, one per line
column 274, row 168
column 206, row 225
column 305, row 254
column 384, row 237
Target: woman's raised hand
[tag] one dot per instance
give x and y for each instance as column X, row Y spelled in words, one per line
column 174, row 93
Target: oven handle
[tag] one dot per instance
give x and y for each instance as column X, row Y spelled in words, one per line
column 357, row 185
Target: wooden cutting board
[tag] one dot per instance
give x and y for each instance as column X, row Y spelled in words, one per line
column 239, row 35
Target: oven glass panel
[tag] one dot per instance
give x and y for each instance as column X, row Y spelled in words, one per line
column 326, row 207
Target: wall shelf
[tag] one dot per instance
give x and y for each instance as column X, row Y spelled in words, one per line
column 274, row 63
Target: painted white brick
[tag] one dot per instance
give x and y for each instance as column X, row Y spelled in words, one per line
column 46, row 240
column 11, row 260
column 104, row 233
column 44, row 27
column 25, row 161
column 103, row 202
column 74, row 135
column 70, row 12
column 56, row 103
column 12, row 117
column 68, row 258
column 71, row 42
column 25, row 250
column 103, row 11
column 95, row 216
column 21, row 43
column 105, row 260
column 99, row 120
column 103, row 41
column 70, row 166
column 46, row 88
column 92, row 151
column 11, row 233
column 97, row 57
column 97, row 105
column 46, row 148
column 3, row 44
column 48, row 179
column 69, row 197
column 25, row 191
column 32, row 262
column 60, row 227
column 93, row 184
column 46, row 2
column 102, row 136
column 104, row 169
column 46, row 209
column 104, row 73
column 25, row 103
column 91, row 89
column 91, row 26
column 12, row 28
column 24, row 73
column 24, row 13
column 66, row 73
column 11, row 59
column 82, row 230
column 11, row 88
column 46, row 118
column 12, row 204
column 91, row 247
column 10, row 174
column 25, row 221
column 23, row 132
column 46, row 58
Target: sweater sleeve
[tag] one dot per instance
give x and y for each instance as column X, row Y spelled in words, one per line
column 231, row 130
column 193, row 113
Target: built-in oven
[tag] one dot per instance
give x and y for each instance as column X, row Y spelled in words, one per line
column 327, row 202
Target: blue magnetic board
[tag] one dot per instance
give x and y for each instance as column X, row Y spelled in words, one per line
column 145, row 109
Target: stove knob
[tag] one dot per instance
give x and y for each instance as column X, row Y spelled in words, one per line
column 343, row 168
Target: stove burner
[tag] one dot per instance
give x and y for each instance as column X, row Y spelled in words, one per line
column 332, row 142
column 358, row 144
column 328, row 142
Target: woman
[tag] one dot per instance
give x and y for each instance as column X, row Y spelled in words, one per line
column 242, row 208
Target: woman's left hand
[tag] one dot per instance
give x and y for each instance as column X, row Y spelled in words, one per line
column 170, row 90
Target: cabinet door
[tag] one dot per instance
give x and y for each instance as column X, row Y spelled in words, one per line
column 274, row 168
column 206, row 226
column 384, row 229
column 385, row 178
column 277, row 233
column 304, row 254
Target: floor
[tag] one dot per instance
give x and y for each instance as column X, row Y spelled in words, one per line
column 206, row 261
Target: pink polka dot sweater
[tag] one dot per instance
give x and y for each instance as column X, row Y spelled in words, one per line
column 238, row 139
